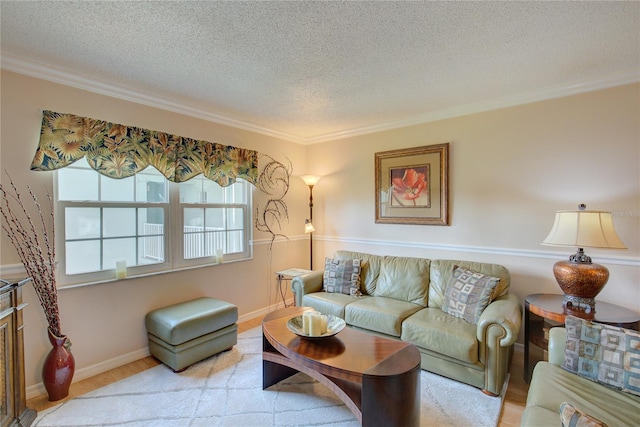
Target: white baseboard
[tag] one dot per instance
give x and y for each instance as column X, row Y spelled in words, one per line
column 102, row 367
column 90, row 371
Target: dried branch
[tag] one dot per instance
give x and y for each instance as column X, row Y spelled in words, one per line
column 273, row 181
column 35, row 245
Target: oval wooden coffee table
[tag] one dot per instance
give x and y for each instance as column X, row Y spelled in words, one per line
column 377, row 378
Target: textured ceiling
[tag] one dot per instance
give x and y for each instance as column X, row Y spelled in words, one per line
column 310, row 71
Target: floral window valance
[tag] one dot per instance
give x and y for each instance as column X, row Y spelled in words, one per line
column 120, row 151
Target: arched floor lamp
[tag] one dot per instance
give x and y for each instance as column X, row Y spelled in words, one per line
column 310, row 180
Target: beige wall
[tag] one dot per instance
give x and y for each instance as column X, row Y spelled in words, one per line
column 510, row 170
column 105, row 322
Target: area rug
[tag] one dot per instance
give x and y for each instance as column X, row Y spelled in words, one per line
column 226, row 390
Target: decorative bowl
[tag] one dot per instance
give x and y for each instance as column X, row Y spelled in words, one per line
column 334, row 325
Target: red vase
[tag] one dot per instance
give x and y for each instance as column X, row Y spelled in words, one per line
column 58, row 368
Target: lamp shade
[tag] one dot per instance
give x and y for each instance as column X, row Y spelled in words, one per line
column 310, row 180
column 308, row 227
column 584, row 229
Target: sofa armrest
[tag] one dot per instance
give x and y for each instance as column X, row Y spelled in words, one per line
column 306, row 284
column 557, row 341
column 506, row 312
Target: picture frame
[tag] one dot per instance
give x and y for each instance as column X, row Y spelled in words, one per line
column 412, row 185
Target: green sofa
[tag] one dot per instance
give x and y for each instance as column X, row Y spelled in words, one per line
column 551, row 385
column 402, row 298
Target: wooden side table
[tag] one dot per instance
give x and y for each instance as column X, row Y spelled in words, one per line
column 545, row 311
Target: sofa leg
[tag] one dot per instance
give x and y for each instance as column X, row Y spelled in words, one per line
column 488, row 393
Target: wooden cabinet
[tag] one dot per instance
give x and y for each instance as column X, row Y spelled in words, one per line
column 13, row 403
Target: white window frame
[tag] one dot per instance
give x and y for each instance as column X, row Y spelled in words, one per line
column 173, row 235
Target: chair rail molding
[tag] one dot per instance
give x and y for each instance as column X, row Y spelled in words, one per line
column 608, row 259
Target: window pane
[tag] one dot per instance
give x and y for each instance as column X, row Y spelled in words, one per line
column 116, row 190
column 212, row 192
column 150, row 221
column 82, row 223
column 119, row 222
column 235, row 218
column 119, row 249
column 193, row 245
column 77, row 184
column 193, row 217
column 190, row 191
column 215, row 240
column 234, row 242
column 82, row 257
column 214, row 219
column 236, row 193
column 150, row 250
column 201, row 190
column 151, row 186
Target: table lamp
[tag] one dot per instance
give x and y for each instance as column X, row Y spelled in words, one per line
column 579, row 278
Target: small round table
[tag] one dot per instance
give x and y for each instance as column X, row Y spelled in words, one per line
column 545, row 311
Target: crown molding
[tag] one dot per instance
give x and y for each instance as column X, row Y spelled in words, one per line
column 38, row 70
column 55, row 75
column 557, row 91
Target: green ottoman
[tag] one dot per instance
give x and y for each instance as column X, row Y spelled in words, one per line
column 183, row 334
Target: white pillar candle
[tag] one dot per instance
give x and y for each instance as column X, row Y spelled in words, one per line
column 121, row 269
column 314, row 327
column 324, row 320
column 306, row 321
column 219, row 256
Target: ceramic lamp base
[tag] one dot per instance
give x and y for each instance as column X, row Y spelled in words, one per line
column 580, row 282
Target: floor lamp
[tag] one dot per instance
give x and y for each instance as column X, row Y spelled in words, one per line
column 310, row 180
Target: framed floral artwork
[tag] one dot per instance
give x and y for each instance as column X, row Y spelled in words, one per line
column 412, row 185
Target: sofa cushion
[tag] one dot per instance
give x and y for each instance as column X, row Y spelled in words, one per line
column 433, row 329
column 341, row 276
column 370, row 268
column 606, row 354
column 330, row 303
column 468, row 293
column 379, row 314
column 404, row 279
column 573, row 417
column 551, row 385
column 442, row 270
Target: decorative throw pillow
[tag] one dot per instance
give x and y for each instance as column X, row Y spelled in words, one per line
column 602, row 353
column 342, row 276
column 572, row 417
column 468, row 293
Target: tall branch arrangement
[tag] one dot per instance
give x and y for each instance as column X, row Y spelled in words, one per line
column 35, row 244
column 273, row 181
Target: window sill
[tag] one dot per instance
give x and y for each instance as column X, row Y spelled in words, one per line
column 155, row 273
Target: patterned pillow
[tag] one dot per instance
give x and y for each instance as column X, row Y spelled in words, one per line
column 605, row 354
column 468, row 293
column 342, row 276
column 572, row 417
